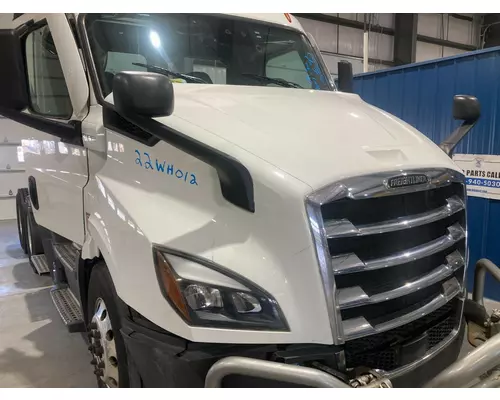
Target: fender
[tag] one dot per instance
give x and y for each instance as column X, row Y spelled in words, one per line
column 95, row 244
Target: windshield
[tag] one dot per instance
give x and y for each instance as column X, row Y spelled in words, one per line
column 203, row 49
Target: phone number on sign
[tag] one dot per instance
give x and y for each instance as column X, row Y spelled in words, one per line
column 483, row 182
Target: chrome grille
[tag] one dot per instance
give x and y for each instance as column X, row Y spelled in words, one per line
column 389, row 257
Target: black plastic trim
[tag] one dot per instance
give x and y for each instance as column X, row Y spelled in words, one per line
column 236, row 183
column 113, row 120
column 89, row 59
column 163, row 360
column 69, row 132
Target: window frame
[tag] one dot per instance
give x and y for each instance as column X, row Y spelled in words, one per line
column 33, row 28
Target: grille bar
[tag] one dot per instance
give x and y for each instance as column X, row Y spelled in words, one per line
column 358, row 327
column 344, row 227
column 349, row 263
column 355, row 296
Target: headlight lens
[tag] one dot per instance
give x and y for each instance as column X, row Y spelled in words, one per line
column 230, row 301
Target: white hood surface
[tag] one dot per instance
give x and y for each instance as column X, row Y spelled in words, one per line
column 315, row 136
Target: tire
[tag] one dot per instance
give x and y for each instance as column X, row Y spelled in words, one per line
column 34, row 244
column 101, row 288
column 21, row 213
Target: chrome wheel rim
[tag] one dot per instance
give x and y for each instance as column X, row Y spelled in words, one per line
column 103, row 346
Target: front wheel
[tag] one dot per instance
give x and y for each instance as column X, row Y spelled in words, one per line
column 109, row 356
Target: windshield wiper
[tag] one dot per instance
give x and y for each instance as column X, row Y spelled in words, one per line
column 164, row 71
column 276, row 81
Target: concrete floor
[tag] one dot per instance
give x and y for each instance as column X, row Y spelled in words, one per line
column 36, row 350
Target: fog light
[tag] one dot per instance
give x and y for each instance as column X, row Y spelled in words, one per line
column 246, row 303
column 200, row 297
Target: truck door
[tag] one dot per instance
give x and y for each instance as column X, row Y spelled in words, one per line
column 55, row 159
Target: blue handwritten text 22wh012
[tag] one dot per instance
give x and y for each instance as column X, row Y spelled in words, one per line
column 144, row 160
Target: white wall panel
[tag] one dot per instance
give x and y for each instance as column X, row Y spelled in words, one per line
column 443, row 26
column 380, row 46
column 433, row 25
column 450, row 51
column 460, row 31
column 350, row 41
column 352, row 16
column 324, row 33
column 427, row 51
column 385, row 20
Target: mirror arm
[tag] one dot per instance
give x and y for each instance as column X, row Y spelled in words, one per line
column 449, row 144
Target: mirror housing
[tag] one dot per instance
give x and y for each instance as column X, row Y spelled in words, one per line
column 467, row 109
column 14, row 96
column 147, row 94
column 345, row 79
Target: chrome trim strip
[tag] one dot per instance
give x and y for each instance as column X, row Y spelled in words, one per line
column 359, row 327
column 344, row 228
column 349, row 263
column 325, row 268
column 362, row 187
column 355, row 296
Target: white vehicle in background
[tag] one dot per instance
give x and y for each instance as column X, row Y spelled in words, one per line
column 214, row 212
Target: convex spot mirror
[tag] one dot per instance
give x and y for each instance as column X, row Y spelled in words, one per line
column 143, row 93
column 466, row 108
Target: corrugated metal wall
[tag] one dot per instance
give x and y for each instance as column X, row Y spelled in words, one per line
column 422, row 95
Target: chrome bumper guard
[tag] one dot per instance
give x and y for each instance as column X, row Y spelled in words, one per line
column 480, row 368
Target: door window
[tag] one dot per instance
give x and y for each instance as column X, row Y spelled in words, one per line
column 48, row 91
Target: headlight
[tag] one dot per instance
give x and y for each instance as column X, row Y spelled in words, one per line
column 206, row 294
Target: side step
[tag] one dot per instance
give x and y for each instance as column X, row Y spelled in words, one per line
column 40, row 264
column 68, row 309
column 67, row 253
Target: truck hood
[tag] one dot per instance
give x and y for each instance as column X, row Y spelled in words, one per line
column 316, row 136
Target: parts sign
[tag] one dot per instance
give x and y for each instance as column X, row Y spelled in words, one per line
column 482, row 173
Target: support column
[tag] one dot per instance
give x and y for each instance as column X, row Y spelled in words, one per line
column 405, row 38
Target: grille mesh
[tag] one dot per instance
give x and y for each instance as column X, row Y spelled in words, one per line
column 384, row 351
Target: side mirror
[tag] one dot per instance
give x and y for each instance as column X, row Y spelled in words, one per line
column 146, row 94
column 345, row 77
column 467, row 109
column 14, row 95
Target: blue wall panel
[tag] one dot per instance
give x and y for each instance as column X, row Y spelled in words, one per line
column 422, row 95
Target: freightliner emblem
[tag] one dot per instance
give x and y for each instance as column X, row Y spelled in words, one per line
column 406, row 180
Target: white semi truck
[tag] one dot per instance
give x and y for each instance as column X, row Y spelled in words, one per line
column 214, row 212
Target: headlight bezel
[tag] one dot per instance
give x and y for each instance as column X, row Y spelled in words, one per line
column 270, row 318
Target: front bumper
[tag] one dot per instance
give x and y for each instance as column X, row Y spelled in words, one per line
column 157, row 359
